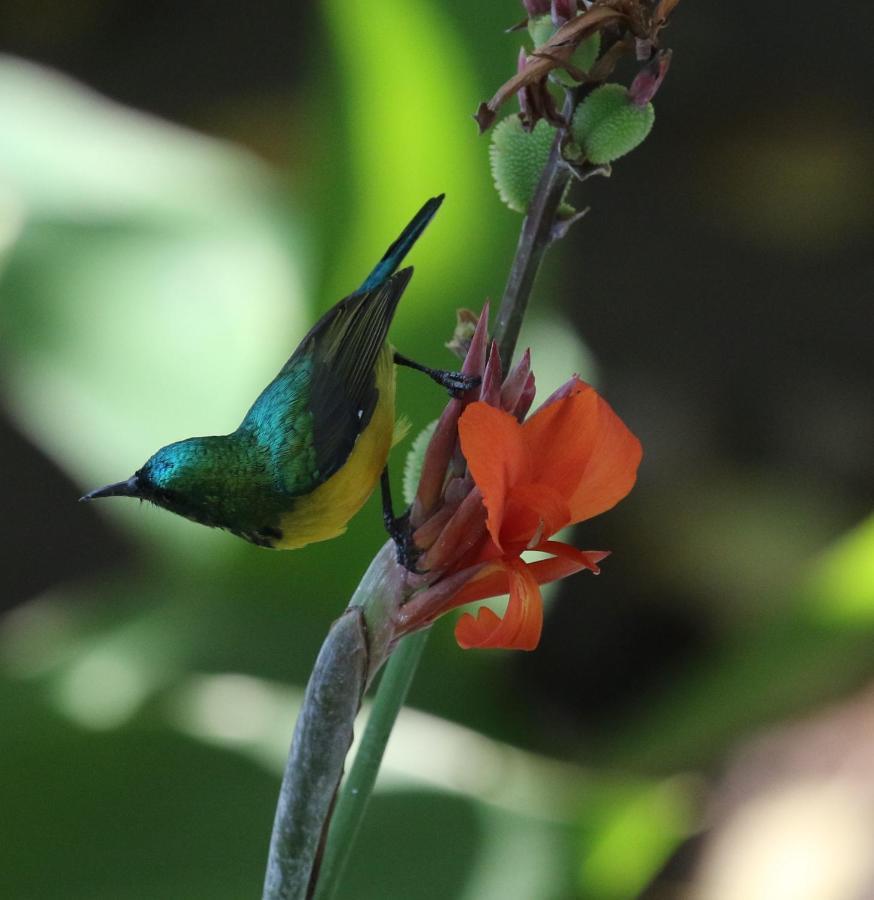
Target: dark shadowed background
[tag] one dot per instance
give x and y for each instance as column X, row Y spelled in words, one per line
column 183, row 188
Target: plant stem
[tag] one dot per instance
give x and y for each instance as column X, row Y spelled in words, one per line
column 305, row 805
column 322, row 736
column 359, row 783
column 534, row 240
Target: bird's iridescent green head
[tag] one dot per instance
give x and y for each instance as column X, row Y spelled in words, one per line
column 188, row 478
column 173, row 476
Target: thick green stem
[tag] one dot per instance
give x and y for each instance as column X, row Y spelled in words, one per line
column 322, row 736
column 533, row 242
column 357, row 645
column 359, row 783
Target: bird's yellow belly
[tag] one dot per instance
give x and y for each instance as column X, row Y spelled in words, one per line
column 325, row 512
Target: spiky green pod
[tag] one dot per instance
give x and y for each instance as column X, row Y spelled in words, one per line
column 608, row 125
column 518, row 158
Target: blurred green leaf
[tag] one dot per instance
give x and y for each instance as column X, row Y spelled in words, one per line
column 841, row 588
column 124, row 815
column 521, row 856
column 391, row 859
column 408, row 138
column 70, row 154
column 155, row 287
column 630, row 828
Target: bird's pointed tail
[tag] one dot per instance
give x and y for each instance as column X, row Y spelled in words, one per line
column 401, row 247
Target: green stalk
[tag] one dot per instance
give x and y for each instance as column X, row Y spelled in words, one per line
column 534, row 240
column 354, row 650
column 358, row 786
column 322, row 736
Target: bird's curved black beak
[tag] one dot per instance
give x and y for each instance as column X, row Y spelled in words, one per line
column 129, row 488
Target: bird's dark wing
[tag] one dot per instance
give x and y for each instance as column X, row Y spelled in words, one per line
column 305, row 422
column 342, row 349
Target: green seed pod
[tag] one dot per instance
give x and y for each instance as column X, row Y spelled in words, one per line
column 608, row 125
column 518, row 158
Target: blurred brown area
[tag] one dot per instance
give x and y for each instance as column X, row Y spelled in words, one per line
column 794, row 813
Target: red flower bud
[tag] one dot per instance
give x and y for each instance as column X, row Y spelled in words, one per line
column 563, row 11
column 536, row 7
column 649, row 79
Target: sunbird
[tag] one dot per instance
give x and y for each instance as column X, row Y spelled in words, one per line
column 312, row 447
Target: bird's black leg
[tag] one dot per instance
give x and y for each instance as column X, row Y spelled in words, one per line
column 398, row 528
column 454, row 382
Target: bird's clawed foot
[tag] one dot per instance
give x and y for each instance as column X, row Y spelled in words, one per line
column 399, row 530
column 456, row 383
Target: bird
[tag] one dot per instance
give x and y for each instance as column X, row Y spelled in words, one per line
column 313, row 445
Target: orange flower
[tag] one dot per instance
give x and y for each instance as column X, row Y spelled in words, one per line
column 573, row 459
column 495, row 485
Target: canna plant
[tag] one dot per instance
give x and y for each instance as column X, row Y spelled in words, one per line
column 489, row 482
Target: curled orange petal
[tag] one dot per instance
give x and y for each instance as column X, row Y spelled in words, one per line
column 522, row 623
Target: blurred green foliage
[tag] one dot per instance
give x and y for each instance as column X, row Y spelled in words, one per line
column 153, row 279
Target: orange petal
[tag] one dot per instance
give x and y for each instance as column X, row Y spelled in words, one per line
column 471, row 630
column 521, row 625
column 612, row 468
column 492, row 580
column 560, row 437
column 584, row 451
column 533, row 511
column 496, row 454
column 566, row 561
